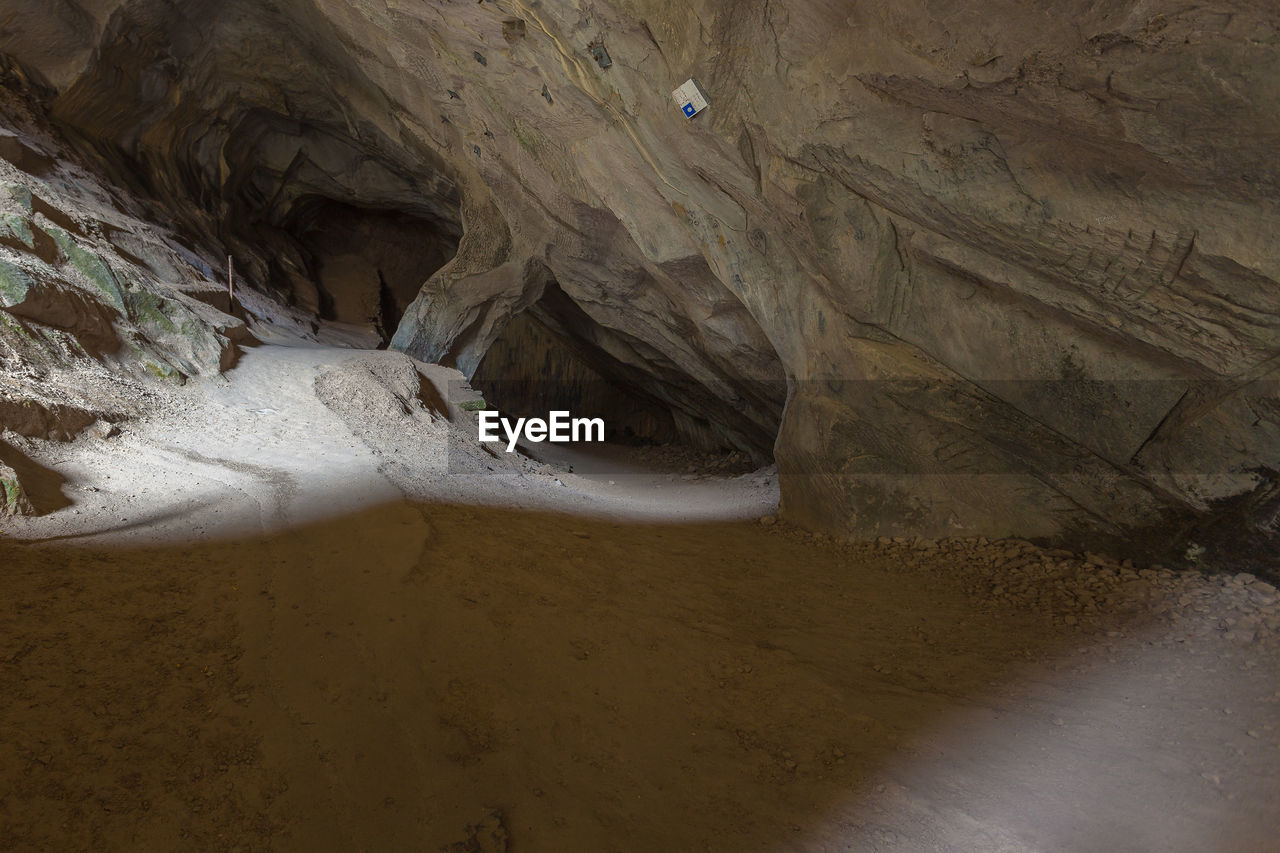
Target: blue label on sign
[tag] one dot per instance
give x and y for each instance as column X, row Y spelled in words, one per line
column 689, row 110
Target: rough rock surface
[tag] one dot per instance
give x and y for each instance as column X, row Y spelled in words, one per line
column 13, row 496
column 530, row 370
column 997, row 270
column 86, row 280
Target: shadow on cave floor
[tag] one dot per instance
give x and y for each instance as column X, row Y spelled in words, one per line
column 428, row 676
column 42, row 484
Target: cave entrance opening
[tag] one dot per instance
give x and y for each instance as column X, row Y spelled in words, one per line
column 537, row 366
column 554, row 357
column 367, row 265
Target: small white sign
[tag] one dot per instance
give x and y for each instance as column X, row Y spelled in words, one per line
column 690, row 98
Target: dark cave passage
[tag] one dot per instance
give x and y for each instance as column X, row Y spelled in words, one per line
column 554, row 357
column 530, row 370
column 367, row 265
column 329, row 223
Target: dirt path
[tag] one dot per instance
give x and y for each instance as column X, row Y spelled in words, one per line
column 293, row 617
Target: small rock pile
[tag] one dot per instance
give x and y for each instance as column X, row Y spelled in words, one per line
column 693, row 463
column 1084, row 590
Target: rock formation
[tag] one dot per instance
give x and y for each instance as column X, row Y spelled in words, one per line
column 963, row 269
column 13, row 496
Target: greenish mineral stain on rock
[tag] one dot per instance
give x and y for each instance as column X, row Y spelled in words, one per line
column 162, row 371
column 530, row 140
column 17, row 193
column 13, row 500
column 19, row 228
column 16, row 327
column 15, row 284
column 148, row 310
column 93, row 267
column 153, row 363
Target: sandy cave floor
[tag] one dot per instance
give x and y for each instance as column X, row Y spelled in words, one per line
column 296, row 609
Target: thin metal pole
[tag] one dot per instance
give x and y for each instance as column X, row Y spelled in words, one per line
column 231, row 281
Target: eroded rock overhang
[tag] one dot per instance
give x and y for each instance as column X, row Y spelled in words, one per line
column 1014, row 271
